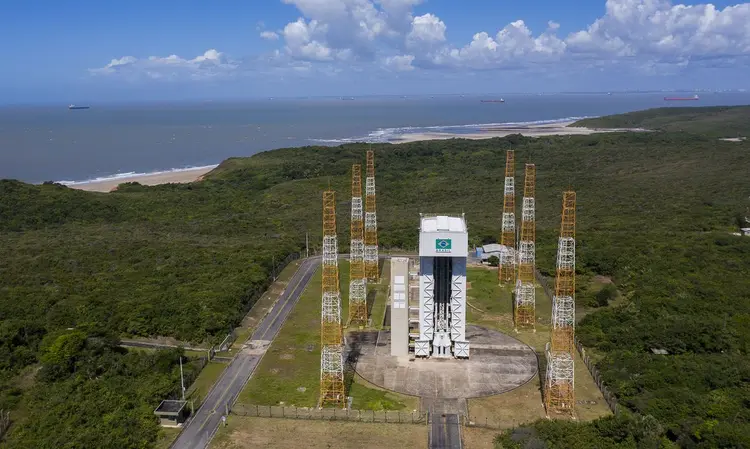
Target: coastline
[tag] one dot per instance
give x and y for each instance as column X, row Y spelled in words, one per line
column 193, row 174
column 539, row 130
column 147, row 179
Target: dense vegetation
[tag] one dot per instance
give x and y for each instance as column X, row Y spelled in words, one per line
column 715, row 121
column 655, row 213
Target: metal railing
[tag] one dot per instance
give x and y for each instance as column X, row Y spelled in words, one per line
column 330, row 414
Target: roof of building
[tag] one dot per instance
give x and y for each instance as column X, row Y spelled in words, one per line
column 442, row 223
column 170, row 406
column 492, row 248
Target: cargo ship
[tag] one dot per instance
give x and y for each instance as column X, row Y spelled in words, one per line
column 493, row 101
column 72, row 107
column 695, row 97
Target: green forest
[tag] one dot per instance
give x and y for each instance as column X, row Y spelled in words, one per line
column 656, row 213
column 714, row 121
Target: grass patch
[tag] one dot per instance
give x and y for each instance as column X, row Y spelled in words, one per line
column 366, row 396
column 208, row 376
column 380, row 301
column 250, row 433
column 166, row 437
column 493, row 309
column 289, row 373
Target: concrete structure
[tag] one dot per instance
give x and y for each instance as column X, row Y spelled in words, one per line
column 443, row 250
column 399, row 306
column 499, row 363
column 171, row 413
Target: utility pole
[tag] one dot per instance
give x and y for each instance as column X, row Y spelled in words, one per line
column 307, row 245
column 273, row 266
column 182, row 380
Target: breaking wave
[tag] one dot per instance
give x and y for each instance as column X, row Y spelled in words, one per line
column 133, row 174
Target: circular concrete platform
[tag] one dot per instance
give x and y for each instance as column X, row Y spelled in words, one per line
column 497, row 363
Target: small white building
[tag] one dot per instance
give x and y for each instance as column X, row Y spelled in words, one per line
column 443, row 250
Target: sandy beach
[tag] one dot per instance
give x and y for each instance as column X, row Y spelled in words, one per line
column 552, row 129
column 190, row 175
column 180, row 176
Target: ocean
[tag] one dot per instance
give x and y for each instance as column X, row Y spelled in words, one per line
column 47, row 143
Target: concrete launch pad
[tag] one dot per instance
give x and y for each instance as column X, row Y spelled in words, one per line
column 498, row 363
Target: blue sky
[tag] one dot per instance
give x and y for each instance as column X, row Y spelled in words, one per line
column 77, row 51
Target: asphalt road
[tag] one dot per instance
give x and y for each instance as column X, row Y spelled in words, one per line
column 445, row 431
column 201, row 428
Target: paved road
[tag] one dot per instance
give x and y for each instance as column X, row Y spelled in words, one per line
column 199, row 430
column 445, row 431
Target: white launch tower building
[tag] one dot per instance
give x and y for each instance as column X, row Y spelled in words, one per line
column 443, row 249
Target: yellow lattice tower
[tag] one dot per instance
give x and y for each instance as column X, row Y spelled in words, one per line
column 563, row 304
column 506, row 268
column 357, row 280
column 331, row 356
column 371, row 222
column 525, row 290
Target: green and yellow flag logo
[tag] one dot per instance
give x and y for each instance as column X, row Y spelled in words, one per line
column 443, row 245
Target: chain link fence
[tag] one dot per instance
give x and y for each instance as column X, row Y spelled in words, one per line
column 608, row 395
column 330, row 414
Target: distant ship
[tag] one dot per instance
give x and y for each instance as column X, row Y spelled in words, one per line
column 347, row 98
column 72, row 106
column 695, row 97
column 493, row 101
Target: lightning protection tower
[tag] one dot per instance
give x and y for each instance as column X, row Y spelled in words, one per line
column 525, row 293
column 371, row 222
column 331, row 354
column 559, row 392
column 357, row 280
column 506, row 268
column 563, row 303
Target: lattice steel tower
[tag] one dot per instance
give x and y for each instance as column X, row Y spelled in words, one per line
column 371, row 222
column 563, row 303
column 357, row 280
column 506, row 269
column 331, row 353
column 559, row 386
column 525, row 293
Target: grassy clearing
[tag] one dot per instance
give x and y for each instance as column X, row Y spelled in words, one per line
column 478, row 438
column 492, row 308
column 166, row 437
column 289, row 372
column 246, row 433
column 202, row 385
column 366, row 396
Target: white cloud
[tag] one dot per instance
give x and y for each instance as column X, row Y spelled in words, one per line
column 426, row 29
column 649, row 35
column 658, row 30
column 269, row 35
column 401, row 63
column 210, row 64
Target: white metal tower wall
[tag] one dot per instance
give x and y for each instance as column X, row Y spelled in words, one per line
column 563, row 307
column 426, row 301
column 458, row 299
column 371, row 223
column 357, row 287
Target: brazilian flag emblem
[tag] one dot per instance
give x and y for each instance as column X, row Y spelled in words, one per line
column 443, row 245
